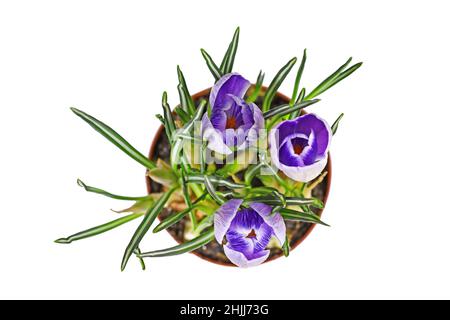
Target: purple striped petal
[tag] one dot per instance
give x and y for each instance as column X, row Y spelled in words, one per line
column 215, row 137
column 224, row 216
column 239, row 259
column 299, row 147
column 231, row 83
column 275, row 221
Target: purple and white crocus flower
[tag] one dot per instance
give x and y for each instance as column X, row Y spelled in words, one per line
column 299, row 147
column 234, row 124
column 246, row 232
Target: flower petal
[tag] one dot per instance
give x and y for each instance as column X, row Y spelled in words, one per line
column 214, row 137
column 239, row 259
column 224, row 216
column 231, row 83
column 306, row 173
column 322, row 131
column 275, row 221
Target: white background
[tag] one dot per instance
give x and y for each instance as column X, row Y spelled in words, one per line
column 388, row 203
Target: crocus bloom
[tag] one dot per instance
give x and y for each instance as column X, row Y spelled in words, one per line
column 234, row 123
column 246, row 232
column 299, row 147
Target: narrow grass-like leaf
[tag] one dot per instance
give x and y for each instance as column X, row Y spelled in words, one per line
column 286, row 247
column 188, row 246
column 99, row 229
column 287, row 109
column 335, row 124
column 323, row 85
column 177, row 216
column 146, row 223
column 183, row 98
column 211, row 65
column 228, row 60
column 334, row 78
column 160, row 118
column 257, row 89
column 172, row 219
column 168, row 120
column 297, row 79
column 212, row 191
column 178, row 143
column 187, row 199
column 197, row 178
column 163, row 175
column 184, row 116
column 189, row 100
column 276, row 83
column 141, row 261
column 345, row 74
column 289, row 214
column 115, row 138
column 289, row 201
column 251, row 172
column 300, row 99
column 106, row 193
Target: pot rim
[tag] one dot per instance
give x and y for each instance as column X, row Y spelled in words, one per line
column 276, row 256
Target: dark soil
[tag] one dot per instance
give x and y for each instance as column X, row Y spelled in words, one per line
column 213, row 251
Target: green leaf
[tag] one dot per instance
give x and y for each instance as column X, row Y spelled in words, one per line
column 140, row 206
column 251, row 172
column 178, row 143
column 146, row 223
column 212, row 191
column 346, row 73
column 141, row 261
column 177, row 216
column 325, row 83
column 218, row 181
column 106, row 193
column 228, row 60
column 287, row 109
column 190, row 102
column 335, row 124
column 188, row 246
column 211, row 65
column 164, row 176
column 333, row 79
column 172, row 219
column 257, row 88
column 187, row 199
column 297, row 79
column 286, row 247
column 300, row 98
column 276, row 200
column 168, row 120
column 276, row 83
column 99, row 229
column 160, row 118
column 115, row 138
column 289, row 214
column 182, row 114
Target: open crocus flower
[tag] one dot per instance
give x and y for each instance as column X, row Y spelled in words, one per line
column 234, row 123
column 246, row 232
column 299, row 147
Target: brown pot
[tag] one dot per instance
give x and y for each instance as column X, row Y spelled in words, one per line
column 213, row 252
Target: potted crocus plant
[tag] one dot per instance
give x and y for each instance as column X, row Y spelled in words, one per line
column 238, row 173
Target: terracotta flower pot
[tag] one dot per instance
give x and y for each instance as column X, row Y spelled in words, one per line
column 213, row 252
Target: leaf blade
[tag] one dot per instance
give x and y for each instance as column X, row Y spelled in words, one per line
column 188, row 246
column 99, row 229
column 146, row 223
column 276, row 83
column 215, row 71
column 114, row 138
